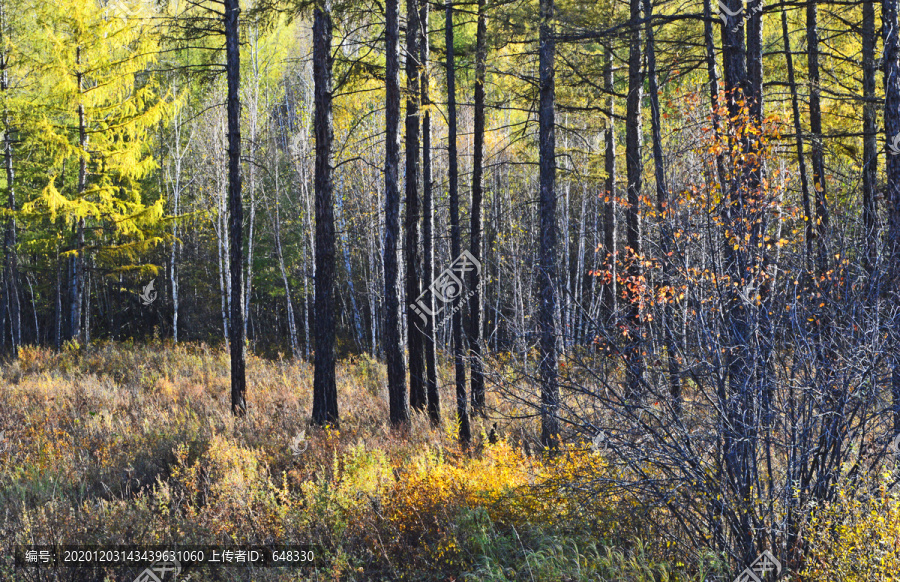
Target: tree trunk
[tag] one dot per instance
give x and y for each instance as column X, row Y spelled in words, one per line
column 415, row 332
column 608, row 289
column 634, row 360
column 475, row 301
column 393, row 334
column 325, row 406
column 76, row 281
column 738, row 446
column 431, row 386
column 462, row 414
column 9, row 241
column 235, row 208
column 663, row 210
column 891, row 131
column 547, row 274
column 870, row 143
column 817, row 154
column 798, row 131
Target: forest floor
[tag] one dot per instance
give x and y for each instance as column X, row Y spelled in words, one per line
column 134, row 445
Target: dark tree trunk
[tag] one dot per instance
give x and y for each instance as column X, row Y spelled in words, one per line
column 754, row 58
column 713, row 76
column 634, row 169
column 891, row 131
column 393, row 335
column 798, row 131
column 547, row 274
column 608, row 290
column 662, row 209
column 431, row 386
column 870, row 143
column 738, row 448
column 9, row 241
column 235, row 208
column 462, row 414
column 817, row 154
column 76, row 280
column 415, row 332
column 325, row 406
column 475, row 301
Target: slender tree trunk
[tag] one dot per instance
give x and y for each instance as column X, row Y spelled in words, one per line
column 609, row 289
column 713, row 76
column 817, row 154
column 738, row 446
column 77, row 278
column 547, row 274
column 235, row 208
column 663, row 210
column 431, row 386
column 9, row 242
column 415, row 333
column 325, row 406
column 393, row 333
column 870, row 143
column 345, row 247
column 634, row 360
column 754, row 60
column 279, row 253
column 462, row 414
column 798, row 131
column 476, row 341
column 891, row 131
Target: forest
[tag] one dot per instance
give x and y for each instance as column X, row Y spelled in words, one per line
column 532, row 290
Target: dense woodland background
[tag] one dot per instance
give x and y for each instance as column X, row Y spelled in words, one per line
column 686, row 218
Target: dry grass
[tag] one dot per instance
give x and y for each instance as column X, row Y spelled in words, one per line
column 135, row 444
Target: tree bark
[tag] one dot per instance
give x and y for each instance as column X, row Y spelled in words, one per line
column 475, row 301
column 870, row 144
column 663, row 211
column 798, row 131
column 634, row 360
column 9, row 240
column 325, row 406
column 415, row 332
column 431, row 386
column 76, row 280
column 892, row 185
column 462, row 414
column 610, row 224
column 393, row 334
column 235, row 209
column 817, row 154
column 547, row 274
